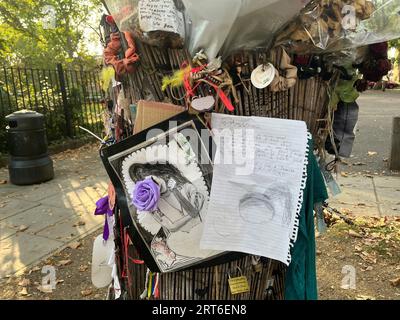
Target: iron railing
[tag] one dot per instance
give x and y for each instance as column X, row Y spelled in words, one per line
column 67, row 98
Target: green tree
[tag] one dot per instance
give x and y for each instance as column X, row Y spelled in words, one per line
column 26, row 38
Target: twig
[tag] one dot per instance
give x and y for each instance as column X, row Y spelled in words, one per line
column 338, row 213
column 94, row 135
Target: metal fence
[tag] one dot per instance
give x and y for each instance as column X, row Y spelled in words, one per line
column 67, row 98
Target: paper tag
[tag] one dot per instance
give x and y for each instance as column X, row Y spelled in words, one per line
column 321, row 224
column 238, row 285
column 329, row 179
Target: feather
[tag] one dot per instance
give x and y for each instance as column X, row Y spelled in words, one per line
column 107, row 74
column 176, row 80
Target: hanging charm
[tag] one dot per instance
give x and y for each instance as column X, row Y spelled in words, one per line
column 263, row 75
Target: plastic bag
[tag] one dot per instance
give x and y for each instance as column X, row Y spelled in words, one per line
column 224, row 26
column 336, row 25
column 156, row 22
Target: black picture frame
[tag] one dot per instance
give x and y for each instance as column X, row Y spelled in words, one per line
column 112, row 158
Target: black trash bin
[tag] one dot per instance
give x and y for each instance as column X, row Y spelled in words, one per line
column 29, row 161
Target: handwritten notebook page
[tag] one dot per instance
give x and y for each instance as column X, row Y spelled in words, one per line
column 256, row 192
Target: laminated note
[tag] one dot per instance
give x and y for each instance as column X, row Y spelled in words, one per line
column 160, row 15
column 257, row 187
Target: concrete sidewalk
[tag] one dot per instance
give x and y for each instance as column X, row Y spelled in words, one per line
column 37, row 220
column 368, row 195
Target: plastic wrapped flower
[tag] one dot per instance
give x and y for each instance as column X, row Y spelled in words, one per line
column 146, row 195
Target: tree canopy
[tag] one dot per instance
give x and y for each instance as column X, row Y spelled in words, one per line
column 40, row 33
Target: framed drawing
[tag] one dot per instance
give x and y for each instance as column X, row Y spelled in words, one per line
column 172, row 163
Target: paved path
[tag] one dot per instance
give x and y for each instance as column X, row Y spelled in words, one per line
column 37, row 220
column 368, row 186
column 368, row 195
column 374, row 129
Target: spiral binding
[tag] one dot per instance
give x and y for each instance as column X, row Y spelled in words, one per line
column 293, row 235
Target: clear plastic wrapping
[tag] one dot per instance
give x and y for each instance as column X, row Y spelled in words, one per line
column 221, row 27
column 335, row 25
column 156, row 22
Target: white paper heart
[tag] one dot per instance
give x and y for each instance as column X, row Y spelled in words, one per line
column 203, row 103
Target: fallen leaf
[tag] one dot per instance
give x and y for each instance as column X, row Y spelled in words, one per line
column 395, row 282
column 358, row 248
column 64, row 262
column 372, row 153
column 59, row 281
column 359, row 164
column 23, row 292
column 3, row 181
column 354, row 234
column 367, row 257
column 83, row 268
column 79, row 223
column 369, row 268
column 363, row 297
column 24, row 283
column 86, row 292
column 375, row 235
column 34, row 269
column 22, row 228
column 45, row 289
column 344, row 174
column 74, row 245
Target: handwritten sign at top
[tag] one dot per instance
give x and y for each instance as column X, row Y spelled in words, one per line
column 160, row 15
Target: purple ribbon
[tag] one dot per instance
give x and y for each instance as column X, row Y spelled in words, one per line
column 103, row 207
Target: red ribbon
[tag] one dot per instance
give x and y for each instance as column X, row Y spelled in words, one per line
column 190, row 91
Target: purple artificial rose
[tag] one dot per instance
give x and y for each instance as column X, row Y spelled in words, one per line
column 146, row 195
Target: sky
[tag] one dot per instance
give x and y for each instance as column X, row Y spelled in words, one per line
column 92, row 40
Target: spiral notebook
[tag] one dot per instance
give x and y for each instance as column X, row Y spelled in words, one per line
column 257, row 187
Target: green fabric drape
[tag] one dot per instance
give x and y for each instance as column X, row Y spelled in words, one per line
column 301, row 277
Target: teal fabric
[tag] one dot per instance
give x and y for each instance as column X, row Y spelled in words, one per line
column 301, row 277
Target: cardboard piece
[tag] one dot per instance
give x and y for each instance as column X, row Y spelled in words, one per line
column 149, row 113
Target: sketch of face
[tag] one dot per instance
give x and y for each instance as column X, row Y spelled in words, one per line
column 256, row 207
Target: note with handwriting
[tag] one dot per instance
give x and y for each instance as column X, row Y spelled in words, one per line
column 258, row 181
column 160, row 15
